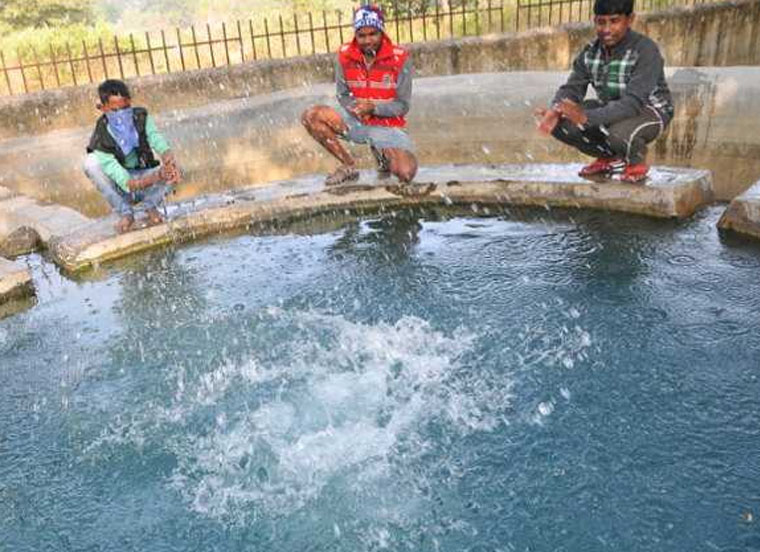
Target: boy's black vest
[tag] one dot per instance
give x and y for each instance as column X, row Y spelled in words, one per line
column 102, row 140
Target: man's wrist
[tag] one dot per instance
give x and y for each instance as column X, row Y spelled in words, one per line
column 167, row 158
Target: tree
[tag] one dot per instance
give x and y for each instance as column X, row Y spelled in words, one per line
column 22, row 14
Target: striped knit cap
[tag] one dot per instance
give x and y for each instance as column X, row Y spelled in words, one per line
column 369, row 16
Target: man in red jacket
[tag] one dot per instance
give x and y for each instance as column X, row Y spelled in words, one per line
column 374, row 88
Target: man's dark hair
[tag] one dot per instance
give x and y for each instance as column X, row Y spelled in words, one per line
column 613, row 7
column 112, row 87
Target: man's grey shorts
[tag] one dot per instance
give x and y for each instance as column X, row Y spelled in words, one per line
column 380, row 137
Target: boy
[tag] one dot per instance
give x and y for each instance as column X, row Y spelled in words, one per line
column 374, row 89
column 120, row 160
column 634, row 105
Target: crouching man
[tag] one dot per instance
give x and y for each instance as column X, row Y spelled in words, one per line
column 374, row 89
column 634, row 105
column 120, row 159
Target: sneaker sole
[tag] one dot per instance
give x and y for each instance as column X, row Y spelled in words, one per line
column 614, row 168
column 636, row 180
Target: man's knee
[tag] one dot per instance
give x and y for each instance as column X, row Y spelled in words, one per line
column 91, row 165
column 308, row 116
column 316, row 114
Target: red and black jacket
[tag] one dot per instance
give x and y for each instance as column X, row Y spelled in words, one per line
column 377, row 82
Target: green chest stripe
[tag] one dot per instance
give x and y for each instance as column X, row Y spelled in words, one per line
column 609, row 76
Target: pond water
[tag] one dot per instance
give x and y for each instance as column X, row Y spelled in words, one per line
column 530, row 380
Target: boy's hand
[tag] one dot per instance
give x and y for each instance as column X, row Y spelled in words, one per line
column 170, row 174
column 141, row 183
column 170, row 171
column 547, row 119
column 572, row 111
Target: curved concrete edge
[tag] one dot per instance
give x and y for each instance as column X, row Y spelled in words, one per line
column 16, row 287
column 743, row 213
column 669, row 192
column 27, row 223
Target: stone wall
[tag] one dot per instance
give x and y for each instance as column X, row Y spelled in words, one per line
column 722, row 34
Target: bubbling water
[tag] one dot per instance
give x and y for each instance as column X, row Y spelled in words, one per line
column 348, row 405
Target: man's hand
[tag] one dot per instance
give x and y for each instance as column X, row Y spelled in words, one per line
column 363, row 108
column 170, row 171
column 572, row 111
column 547, row 119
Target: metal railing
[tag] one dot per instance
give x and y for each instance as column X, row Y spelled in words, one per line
column 158, row 52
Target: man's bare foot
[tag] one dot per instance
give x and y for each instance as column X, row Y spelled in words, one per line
column 154, row 217
column 125, row 224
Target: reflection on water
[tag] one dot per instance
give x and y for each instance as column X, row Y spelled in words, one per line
column 412, row 381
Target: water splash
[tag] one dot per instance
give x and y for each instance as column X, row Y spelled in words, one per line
column 342, row 408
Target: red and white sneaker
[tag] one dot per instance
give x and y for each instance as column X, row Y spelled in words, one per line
column 635, row 173
column 602, row 166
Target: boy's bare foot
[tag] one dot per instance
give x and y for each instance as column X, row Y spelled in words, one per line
column 125, row 224
column 154, row 217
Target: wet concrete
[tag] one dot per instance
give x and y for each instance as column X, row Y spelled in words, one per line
column 16, row 287
column 25, row 222
column 483, row 118
column 743, row 213
column 667, row 193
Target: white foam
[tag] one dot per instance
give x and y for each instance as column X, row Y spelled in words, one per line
column 343, row 409
column 346, row 400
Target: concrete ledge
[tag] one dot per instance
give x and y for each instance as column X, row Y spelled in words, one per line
column 668, row 193
column 15, row 287
column 25, row 223
column 743, row 213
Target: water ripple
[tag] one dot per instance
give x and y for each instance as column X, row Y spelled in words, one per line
column 682, row 260
column 712, row 277
column 707, row 333
column 738, row 260
column 704, row 287
column 650, row 315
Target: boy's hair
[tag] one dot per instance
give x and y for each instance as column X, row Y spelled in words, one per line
column 112, row 87
column 613, row 7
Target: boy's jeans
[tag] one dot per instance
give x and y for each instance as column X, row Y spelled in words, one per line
column 122, row 202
